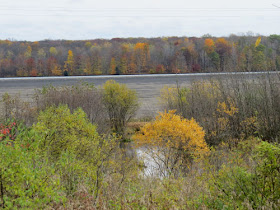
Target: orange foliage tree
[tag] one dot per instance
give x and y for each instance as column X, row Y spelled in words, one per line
column 172, row 142
column 209, row 46
column 142, row 56
column 34, row 72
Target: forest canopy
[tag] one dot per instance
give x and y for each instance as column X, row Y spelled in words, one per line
column 139, row 55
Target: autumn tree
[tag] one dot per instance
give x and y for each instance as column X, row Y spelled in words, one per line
column 88, row 69
column 123, row 65
column 160, row 69
column 69, row 64
column 34, row 72
column 142, row 56
column 172, row 142
column 132, row 66
column 113, row 66
column 209, row 46
column 53, row 68
column 88, row 44
column 30, row 66
column 56, row 71
column 41, row 53
column 53, row 51
column 190, row 55
column 223, row 48
column 124, row 60
column 28, row 52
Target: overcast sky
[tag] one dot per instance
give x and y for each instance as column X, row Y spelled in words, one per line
column 89, row 19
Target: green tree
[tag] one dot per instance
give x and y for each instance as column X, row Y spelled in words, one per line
column 121, row 104
column 215, row 58
column 259, row 59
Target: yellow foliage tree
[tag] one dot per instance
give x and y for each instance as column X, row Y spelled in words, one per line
column 56, row 71
column 258, row 42
column 53, row 51
column 69, row 64
column 28, row 52
column 172, row 141
column 229, row 109
column 227, row 122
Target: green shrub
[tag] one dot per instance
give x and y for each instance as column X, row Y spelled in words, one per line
column 26, row 180
column 241, row 186
column 60, row 130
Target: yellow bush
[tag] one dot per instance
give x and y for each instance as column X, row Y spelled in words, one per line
column 172, row 131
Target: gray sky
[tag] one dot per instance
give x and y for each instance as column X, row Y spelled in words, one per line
column 89, row 19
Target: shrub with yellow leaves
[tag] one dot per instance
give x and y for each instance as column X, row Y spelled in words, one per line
column 229, row 109
column 172, row 142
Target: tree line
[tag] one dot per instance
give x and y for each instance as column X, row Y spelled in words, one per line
column 140, row 55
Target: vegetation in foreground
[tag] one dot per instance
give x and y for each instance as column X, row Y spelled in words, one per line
column 221, row 152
